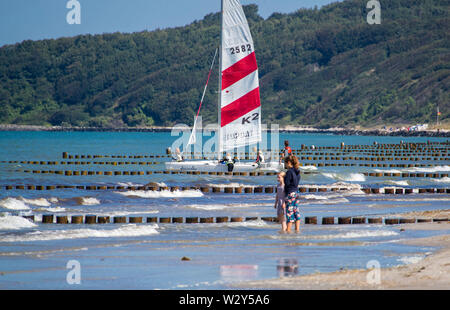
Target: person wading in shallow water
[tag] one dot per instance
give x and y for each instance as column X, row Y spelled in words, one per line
column 280, row 201
column 291, row 180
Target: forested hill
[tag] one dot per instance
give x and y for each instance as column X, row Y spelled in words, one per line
column 317, row 67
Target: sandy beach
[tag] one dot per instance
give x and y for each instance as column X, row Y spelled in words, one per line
column 432, row 272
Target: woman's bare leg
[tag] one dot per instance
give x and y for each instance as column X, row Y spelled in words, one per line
column 297, row 226
column 289, row 227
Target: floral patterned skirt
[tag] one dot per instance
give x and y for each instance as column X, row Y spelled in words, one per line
column 292, row 204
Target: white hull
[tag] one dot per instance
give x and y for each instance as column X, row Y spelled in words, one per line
column 214, row 166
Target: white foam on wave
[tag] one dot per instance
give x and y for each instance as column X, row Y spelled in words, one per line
column 250, row 224
column 316, row 197
column 13, row 204
column 429, row 169
column 324, row 199
column 442, row 180
column 129, row 230
column 53, row 209
column 398, row 183
column 387, row 171
column 416, row 169
column 234, row 184
column 11, row 222
column 87, row 201
column 41, row 202
column 162, row 194
column 410, row 259
column 53, row 200
column 227, row 206
column 350, row 177
column 345, row 235
column 308, row 168
column 128, row 184
column 362, row 234
column 124, row 213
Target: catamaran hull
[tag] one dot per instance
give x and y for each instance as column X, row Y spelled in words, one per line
column 213, row 166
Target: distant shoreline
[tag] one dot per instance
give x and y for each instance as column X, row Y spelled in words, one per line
column 287, row 129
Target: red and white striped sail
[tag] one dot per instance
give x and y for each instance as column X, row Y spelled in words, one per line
column 240, row 108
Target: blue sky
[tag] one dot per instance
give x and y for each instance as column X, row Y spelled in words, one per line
column 43, row 19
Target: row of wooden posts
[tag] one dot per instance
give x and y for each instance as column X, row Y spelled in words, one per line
column 94, row 219
column 141, row 173
column 226, row 190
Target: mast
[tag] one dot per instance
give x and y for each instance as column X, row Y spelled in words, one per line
column 219, row 101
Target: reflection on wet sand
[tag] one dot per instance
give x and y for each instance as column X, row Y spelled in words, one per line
column 231, row 273
column 287, row 267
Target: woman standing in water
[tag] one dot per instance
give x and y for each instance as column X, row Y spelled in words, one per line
column 291, row 180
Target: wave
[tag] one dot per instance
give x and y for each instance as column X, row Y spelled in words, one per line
column 13, row 204
column 441, row 180
column 387, row 171
column 250, row 224
column 308, row 168
column 54, row 209
column 130, row 230
column 429, row 169
column 162, row 194
column 324, row 199
column 345, row 235
column 416, row 169
column 129, row 184
column 410, row 259
column 399, row 183
column 316, row 197
column 124, row 213
column 231, row 185
column 87, row 201
column 227, row 206
column 11, row 222
column 41, row 202
column 350, row 177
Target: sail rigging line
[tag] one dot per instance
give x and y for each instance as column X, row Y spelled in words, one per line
column 207, row 81
column 192, row 139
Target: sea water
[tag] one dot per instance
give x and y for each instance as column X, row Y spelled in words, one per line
column 148, row 256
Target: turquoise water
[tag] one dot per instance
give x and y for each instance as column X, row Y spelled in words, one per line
column 148, row 256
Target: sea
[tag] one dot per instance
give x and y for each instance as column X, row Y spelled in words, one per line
column 197, row 256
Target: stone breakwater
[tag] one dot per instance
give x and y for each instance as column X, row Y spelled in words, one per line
column 336, row 131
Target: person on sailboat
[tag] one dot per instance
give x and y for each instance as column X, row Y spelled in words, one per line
column 291, row 180
column 177, row 156
column 229, row 162
column 259, row 158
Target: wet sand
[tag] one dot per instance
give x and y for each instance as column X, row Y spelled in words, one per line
column 432, row 272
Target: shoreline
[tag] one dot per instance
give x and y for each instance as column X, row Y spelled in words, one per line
column 429, row 273
column 286, row 129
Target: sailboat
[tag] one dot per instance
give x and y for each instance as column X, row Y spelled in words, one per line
column 239, row 104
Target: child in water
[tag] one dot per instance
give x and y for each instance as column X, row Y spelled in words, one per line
column 280, row 201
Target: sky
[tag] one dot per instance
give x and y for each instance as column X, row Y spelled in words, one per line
column 46, row 19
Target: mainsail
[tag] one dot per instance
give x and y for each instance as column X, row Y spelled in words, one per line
column 240, row 105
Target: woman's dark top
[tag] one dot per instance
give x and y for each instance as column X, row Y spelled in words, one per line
column 291, row 180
